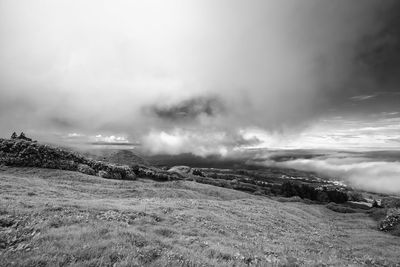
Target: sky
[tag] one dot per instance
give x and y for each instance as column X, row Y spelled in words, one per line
column 207, row 77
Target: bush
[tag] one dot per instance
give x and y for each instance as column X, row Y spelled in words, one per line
column 391, row 222
column 103, row 174
column 198, row 173
column 83, row 168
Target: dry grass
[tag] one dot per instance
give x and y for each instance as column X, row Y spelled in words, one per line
column 61, row 218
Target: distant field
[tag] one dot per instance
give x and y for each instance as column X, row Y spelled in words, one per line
column 61, row 218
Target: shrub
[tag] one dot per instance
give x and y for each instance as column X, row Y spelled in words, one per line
column 392, row 221
column 83, row 168
column 103, row 174
column 198, row 173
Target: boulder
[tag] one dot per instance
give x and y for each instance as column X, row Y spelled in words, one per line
column 183, row 171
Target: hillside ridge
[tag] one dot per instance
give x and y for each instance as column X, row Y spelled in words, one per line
column 27, row 153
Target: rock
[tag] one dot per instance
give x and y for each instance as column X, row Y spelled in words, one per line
column 180, row 169
column 183, row 171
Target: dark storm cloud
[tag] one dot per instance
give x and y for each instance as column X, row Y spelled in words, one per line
column 189, row 109
column 379, row 51
column 373, row 69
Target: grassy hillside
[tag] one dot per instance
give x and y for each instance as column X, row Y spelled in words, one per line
column 63, row 218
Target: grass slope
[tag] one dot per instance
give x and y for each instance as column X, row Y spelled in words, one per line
column 62, row 218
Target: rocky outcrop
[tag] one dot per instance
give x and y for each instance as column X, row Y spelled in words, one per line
column 25, row 153
column 182, row 171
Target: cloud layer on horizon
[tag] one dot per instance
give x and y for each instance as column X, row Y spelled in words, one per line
column 361, row 173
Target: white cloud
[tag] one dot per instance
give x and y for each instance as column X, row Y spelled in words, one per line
column 109, row 139
column 72, row 135
column 179, row 141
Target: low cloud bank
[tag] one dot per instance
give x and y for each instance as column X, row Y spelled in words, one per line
column 177, row 142
column 200, row 143
column 362, row 173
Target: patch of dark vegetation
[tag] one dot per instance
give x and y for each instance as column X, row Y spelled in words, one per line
column 390, row 202
column 58, row 221
column 197, row 172
column 134, row 239
column 355, row 196
column 321, row 194
column 149, row 254
column 221, row 256
column 155, row 174
column 165, row 232
column 234, row 184
column 6, row 221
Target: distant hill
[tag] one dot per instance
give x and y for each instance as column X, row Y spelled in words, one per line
column 121, row 165
column 123, row 157
column 191, row 160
